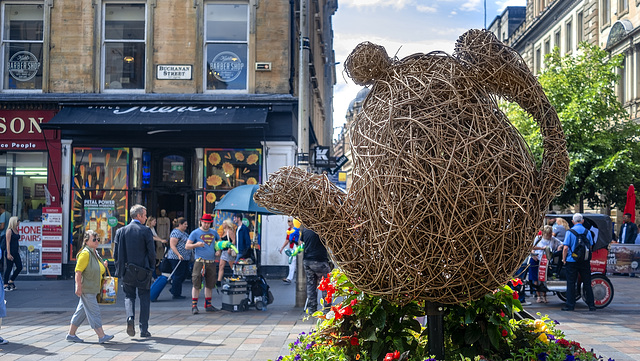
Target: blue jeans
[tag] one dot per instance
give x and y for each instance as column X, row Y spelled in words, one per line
column 584, row 270
column 178, row 276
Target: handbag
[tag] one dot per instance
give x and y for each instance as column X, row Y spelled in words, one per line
column 108, row 290
column 137, row 276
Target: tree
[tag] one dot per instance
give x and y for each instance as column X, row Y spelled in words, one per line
column 602, row 141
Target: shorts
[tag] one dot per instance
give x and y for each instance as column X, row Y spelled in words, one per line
column 210, row 274
column 225, row 256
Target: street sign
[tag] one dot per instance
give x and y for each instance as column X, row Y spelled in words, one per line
column 342, row 160
column 321, row 157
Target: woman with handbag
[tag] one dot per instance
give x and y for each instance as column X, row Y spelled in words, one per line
column 89, row 271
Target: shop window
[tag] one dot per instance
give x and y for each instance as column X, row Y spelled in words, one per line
column 226, row 47
column 23, row 184
column 22, row 46
column 123, row 47
column 100, row 195
column 173, row 169
column 226, row 169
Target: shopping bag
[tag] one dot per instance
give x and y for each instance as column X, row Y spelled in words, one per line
column 109, row 290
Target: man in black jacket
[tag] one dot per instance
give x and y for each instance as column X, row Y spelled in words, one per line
column 628, row 231
column 133, row 244
column 316, row 265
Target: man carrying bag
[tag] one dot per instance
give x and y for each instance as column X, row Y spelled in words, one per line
column 135, row 257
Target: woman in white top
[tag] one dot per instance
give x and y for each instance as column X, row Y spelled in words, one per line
column 541, row 243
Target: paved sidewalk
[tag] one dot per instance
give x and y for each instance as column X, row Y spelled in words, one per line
column 39, row 313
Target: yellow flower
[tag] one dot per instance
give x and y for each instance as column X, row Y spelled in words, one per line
column 239, row 156
column 543, row 338
column 214, row 180
column 539, row 326
column 211, row 197
column 214, row 158
column 252, row 159
column 227, row 168
column 252, row 181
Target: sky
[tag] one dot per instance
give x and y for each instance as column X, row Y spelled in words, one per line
column 403, row 27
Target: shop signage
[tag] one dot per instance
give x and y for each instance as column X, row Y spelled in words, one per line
column 23, row 66
column 342, row 160
column 321, row 156
column 52, row 241
column 21, row 129
column 226, row 66
column 173, row 72
column 181, row 109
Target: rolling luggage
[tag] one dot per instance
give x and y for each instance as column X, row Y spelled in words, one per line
column 159, row 284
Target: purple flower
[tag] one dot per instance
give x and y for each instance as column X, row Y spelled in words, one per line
column 551, row 337
column 542, row 356
column 569, row 358
column 610, row 359
column 309, row 345
column 296, row 343
column 279, row 358
column 298, row 357
column 430, row 359
column 556, row 322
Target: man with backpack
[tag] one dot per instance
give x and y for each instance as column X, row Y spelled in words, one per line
column 576, row 257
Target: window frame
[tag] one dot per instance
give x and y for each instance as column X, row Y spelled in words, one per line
column 605, row 16
column 4, row 44
column 104, row 42
column 206, row 42
column 568, row 36
column 579, row 28
column 622, row 10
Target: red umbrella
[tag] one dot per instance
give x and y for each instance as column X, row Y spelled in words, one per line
column 630, row 207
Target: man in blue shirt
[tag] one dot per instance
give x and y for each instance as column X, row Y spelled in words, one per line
column 574, row 268
column 202, row 240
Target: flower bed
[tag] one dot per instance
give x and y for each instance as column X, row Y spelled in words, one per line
column 363, row 327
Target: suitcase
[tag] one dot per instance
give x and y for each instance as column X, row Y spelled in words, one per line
column 159, row 284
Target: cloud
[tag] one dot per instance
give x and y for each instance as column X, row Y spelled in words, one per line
column 426, row 9
column 471, row 5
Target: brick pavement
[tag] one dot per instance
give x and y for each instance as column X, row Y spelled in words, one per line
column 40, row 310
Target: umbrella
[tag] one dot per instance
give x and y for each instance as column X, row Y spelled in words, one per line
column 630, row 206
column 240, row 199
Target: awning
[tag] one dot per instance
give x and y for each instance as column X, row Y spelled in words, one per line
column 155, row 117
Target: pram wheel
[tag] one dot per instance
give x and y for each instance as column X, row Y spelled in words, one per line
column 244, row 305
column 259, row 305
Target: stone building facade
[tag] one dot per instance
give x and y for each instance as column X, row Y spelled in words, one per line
column 166, row 103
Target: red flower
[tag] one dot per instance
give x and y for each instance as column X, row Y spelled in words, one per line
column 396, row 355
column 504, row 333
column 347, row 311
column 324, row 284
column 329, row 298
column 336, row 311
column 354, row 302
column 502, row 313
column 515, row 295
column 354, row 341
column 388, row 357
column 516, row 282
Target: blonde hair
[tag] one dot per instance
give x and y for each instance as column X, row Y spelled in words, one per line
column 547, row 231
column 229, row 224
column 563, row 223
column 149, row 220
column 13, row 224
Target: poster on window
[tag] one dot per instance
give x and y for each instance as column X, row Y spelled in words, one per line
column 30, row 247
column 100, row 196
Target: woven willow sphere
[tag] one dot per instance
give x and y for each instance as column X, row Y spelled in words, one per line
column 446, row 197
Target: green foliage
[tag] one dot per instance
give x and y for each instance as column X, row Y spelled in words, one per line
column 601, row 140
column 362, row 327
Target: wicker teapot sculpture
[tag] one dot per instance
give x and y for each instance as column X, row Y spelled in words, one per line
column 445, row 197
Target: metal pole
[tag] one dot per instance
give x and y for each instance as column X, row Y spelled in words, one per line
column 435, row 329
column 303, row 80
